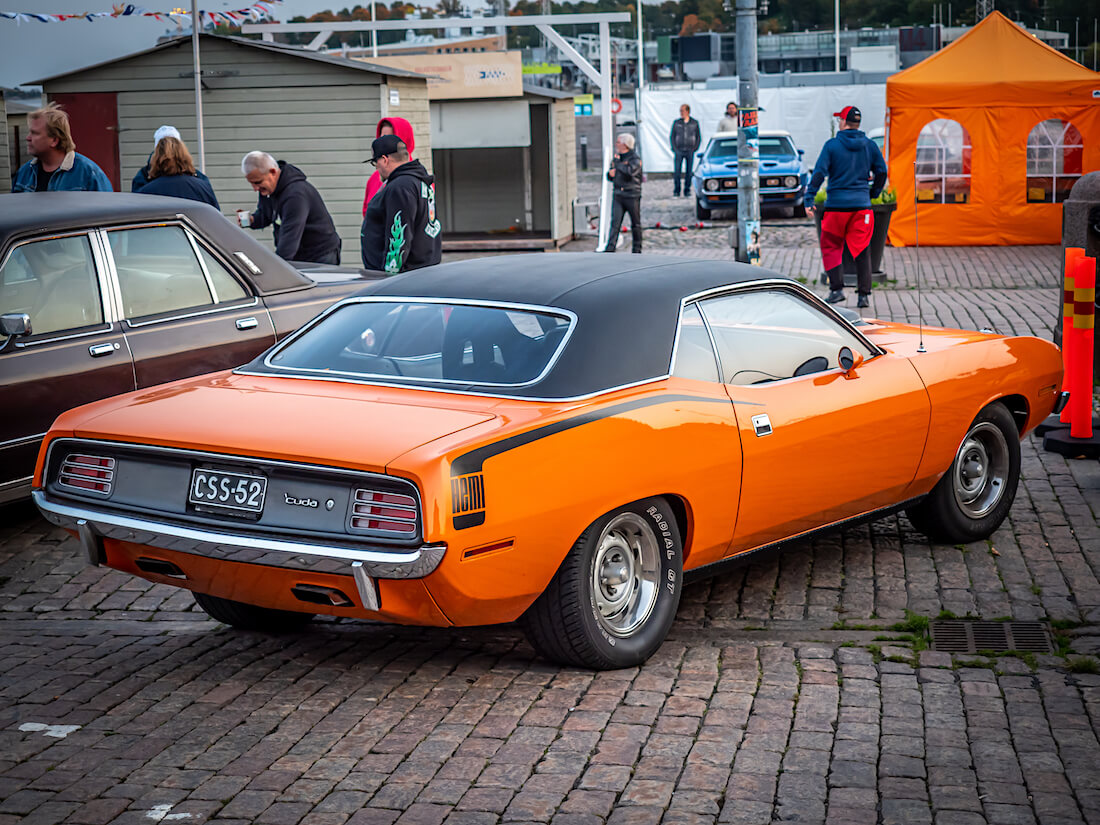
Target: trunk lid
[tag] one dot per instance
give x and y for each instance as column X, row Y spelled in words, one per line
column 315, row 422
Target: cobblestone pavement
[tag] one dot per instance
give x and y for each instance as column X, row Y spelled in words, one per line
column 796, row 688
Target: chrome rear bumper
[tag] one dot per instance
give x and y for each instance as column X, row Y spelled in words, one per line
column 92, row 526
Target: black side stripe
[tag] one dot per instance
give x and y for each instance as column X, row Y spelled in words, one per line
column 473, row 461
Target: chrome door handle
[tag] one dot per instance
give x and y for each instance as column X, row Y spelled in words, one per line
column 247, row 323
column 99, row 350
column 762, row 425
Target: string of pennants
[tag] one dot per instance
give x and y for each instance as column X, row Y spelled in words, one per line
column 257, row 11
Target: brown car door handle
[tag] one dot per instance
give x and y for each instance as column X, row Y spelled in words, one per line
column 99, row 350
column 247, row 323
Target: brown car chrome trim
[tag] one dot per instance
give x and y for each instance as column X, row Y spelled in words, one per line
column 294, row 555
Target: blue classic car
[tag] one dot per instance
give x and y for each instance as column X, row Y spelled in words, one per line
column 782, row 178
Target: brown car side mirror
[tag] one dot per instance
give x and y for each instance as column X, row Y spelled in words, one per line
column 14, row 325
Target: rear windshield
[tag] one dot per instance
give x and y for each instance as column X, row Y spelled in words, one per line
column 428, row 343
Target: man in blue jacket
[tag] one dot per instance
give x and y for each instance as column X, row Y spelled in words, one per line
column 55, row 164
column 848, row 160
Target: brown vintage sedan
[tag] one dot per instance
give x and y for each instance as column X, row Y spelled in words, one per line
column 103, row 293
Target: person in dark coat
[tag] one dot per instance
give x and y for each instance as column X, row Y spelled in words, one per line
column 626, row 180
column 304, row 230
column 400, row 230
column 142, row 176
column 684, row 139
column 856, row 172
column 172, row 173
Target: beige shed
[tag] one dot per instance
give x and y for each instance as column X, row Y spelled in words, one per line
column 316, row 111
column 505, row 170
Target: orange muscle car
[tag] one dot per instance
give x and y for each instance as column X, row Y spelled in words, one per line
column 554, row 439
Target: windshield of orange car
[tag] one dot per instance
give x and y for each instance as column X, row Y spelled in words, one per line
column 428, row 342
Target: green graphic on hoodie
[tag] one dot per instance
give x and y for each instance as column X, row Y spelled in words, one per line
column 397, row 240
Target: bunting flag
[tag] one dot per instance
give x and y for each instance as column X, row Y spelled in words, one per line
column 257, row 11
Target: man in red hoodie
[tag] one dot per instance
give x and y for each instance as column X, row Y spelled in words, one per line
column 388, row 126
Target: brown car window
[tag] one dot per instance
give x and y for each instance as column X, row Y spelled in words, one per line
column 225, row 285
column 54, row 282
column 157, row 271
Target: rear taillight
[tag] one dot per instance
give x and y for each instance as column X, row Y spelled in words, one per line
column 87, row 473
column 391, row 514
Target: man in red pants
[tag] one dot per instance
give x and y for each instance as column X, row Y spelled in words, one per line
column 849, row 161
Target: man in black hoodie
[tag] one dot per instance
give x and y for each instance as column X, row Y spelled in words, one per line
column 400, row 228
column 304, row 230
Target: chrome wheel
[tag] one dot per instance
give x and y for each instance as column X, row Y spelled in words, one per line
column 981, row 469
column 625, row 574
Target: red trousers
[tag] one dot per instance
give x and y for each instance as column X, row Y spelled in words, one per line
column 853, row 227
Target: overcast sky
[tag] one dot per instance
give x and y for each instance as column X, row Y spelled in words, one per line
column 36, row 50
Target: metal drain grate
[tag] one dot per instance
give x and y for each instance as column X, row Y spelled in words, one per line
column 956, row 636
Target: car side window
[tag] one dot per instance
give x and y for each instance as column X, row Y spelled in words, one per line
column 157, row 271
column 769, row 335
column 54, row 282
column 226, row 287
column 694, row 353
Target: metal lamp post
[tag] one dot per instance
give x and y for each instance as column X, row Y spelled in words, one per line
column 748, row 143
column 196, row 24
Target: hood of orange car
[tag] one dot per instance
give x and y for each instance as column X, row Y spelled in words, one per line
column 313, row 422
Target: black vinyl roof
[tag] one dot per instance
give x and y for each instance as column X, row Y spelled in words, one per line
column 627, row 308
column 41, row 213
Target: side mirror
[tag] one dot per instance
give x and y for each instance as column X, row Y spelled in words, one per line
column 801, row 152
column 14, row 325
column 849, row 360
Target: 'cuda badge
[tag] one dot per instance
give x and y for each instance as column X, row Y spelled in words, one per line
column 294, row 501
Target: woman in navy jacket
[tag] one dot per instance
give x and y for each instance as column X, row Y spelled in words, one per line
column 172, row 173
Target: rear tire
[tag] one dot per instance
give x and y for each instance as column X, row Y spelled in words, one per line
column 249, row 616
column 613, row 600
column 976, row 493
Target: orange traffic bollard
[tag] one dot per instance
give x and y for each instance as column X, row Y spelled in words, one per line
column 1084, row 321
column 1073, row 254
column 1078, row 439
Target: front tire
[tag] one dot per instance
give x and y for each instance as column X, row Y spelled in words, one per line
column 249, row 616
column 613, row 600
column 701, row 212
column 976, row 493
column 799, row 211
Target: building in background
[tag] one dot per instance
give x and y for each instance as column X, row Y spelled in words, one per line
column 502, row 152
column 316, row 111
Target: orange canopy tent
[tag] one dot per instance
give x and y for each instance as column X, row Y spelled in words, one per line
column 998, row 83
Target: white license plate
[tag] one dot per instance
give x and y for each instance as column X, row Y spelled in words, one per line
column 230, row 491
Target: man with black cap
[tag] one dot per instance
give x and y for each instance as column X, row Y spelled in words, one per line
column 848, row 161
column 400, row 229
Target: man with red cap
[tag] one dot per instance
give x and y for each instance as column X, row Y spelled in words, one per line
column 849, row 161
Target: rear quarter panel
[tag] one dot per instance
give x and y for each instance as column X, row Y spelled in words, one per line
column 964, row 377
column 543, row 491
column 290, row 310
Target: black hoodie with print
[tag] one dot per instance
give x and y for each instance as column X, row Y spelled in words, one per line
column 400, row 230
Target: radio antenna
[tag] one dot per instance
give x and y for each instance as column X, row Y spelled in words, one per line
column 916, row 232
